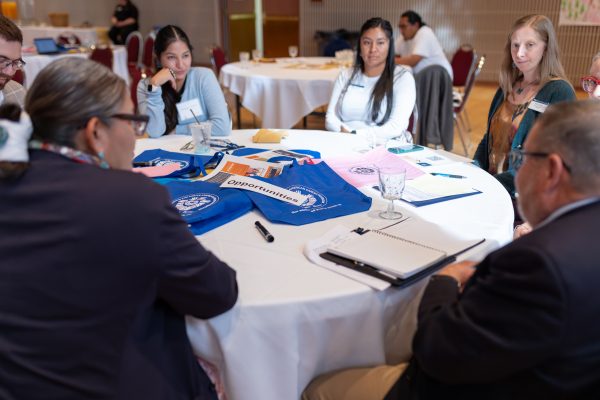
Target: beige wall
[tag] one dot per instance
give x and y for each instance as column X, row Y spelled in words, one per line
column 484, row 24
column 199, row 18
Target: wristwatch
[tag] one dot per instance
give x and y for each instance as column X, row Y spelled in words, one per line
column 152, row 88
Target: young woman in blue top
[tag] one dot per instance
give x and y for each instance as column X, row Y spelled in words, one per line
column 531, row 78
column 176, row 82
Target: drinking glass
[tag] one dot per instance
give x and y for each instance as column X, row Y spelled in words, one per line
column 293, row 51
column 256, row 55
column 244, row 58
column 201, row 133
column 391, row 184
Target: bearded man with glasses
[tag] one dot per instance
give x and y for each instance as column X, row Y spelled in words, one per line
column 11, row 41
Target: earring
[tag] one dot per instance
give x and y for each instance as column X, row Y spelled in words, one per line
column 514, row 65
column 103, row 164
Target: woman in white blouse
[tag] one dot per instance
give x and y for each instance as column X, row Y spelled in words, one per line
column 375, row 98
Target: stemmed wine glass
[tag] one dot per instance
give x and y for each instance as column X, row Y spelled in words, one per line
column 391, row 184
column 293, row 51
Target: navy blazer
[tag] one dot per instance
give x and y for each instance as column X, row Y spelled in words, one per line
column 525, row 327
column 97, row 269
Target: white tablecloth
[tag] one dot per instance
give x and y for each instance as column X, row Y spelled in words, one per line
column 36, row 62
column 280, row 96
column 295, row 320
column 86, row 35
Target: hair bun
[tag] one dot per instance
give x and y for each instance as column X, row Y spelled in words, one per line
column 14, row 136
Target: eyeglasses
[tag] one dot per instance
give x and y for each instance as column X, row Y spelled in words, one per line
column 139, row 122
column 589, row 83
column 517, row 156
column 16, row 64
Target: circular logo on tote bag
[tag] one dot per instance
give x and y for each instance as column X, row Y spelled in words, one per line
column 363, row 170
column 315, row 199
column 165, row 161
column 191, row 203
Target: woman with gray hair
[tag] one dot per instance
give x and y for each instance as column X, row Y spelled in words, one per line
column 98, row 269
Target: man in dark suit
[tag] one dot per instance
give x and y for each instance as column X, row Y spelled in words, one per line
column 522, row 324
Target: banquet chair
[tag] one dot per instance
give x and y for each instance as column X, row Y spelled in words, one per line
column 103, row 55
column 136, row 75
column 434, row 103
column 68, row 39
column 217, row 59
column 147, row 54
column 19, row 77
column 459, row 110
column 133, row 43
column 462, row 64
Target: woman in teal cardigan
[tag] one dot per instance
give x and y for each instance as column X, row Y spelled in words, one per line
column 531, row 78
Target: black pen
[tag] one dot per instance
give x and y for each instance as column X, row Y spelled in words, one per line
column 264, row 232
column 448, row 175
column 143, row 164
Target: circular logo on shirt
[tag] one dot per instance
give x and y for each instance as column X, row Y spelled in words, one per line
column 315, row 199
column 191, row 203
column 363, row 170
column 159, row 162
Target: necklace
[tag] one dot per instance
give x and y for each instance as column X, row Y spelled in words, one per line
column 522, row 88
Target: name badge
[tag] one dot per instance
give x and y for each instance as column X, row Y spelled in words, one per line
column 538, row 106
column 188, row 109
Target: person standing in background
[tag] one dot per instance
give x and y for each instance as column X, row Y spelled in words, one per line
column 11, row 40
column 418, row 46
column 124, row 21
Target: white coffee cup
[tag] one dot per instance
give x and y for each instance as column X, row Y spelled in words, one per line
column 201, row 136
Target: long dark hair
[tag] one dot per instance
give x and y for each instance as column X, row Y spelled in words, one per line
column 384, row 88
column 170, row 96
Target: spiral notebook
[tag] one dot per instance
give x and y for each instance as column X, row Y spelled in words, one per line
column 389, row 253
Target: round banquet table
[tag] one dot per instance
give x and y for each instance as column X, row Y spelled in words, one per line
column 281, row 93
column 34, row 63
column 295, row 320
column 86, row 35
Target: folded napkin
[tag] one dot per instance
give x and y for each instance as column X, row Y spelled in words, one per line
column 268, row 136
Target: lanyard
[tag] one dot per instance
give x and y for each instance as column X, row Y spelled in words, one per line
column 68, row 152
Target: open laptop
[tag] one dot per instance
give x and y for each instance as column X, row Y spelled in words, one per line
column 46, row 46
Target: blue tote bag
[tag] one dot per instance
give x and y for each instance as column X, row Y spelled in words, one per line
column 329, row 196
column 191, row 165
column 204, row 206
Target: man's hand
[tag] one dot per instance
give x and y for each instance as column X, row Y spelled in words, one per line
column 460, row 271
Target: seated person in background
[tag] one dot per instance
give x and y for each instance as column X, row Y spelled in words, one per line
column 178, row 88
column 375, row 98
column 11, row 40
column 531, row 77
column 418, row 47
column 591, row 83
column 123, row 22
column 520, row 324
column 98, row 269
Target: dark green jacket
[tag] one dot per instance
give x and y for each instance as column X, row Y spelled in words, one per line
column 552, row 92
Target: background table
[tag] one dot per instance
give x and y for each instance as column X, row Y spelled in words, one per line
column 36, row 62
column 280, row 96
column 295, row 320
column 86, row 35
